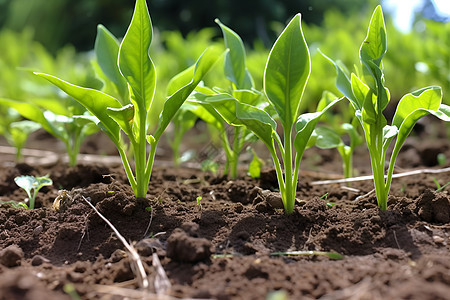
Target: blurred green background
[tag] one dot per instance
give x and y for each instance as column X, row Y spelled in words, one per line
column 59, row 22
column 56, row 36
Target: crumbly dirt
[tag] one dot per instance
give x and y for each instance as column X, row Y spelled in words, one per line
column 225, row 246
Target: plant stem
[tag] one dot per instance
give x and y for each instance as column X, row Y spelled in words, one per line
column 150, row 162
column 237, row 147
column 377, row 161
column 127, row 167
column 140, row 157
column 287, row 160
column 228, row 152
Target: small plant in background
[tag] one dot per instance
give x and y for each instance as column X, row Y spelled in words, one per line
column 15, row 130
column 330, row 135
column 63, row 118
column 32, row 185
column 369, row 97
column 241, row 88
column 133, row 63
column 285, row 77
column 440, row 188
column 199, row 202
column 254, row 168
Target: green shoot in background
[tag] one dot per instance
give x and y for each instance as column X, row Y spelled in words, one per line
column 369, row 97
column 241, row 88
column 130, row 116
column 16, row 131
column 329, row 135
column 286, row 74
column 62, row 118
column 32, row 184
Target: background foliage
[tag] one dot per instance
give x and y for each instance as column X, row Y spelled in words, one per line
column 57, row 36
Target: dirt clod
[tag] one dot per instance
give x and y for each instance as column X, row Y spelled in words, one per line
column 11, row 256
column 434, row 207
column 184, row 248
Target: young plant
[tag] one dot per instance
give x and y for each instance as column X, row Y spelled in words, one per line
column 65, row 119
column 32, row 184
column 330, row 135
column 285, row 77
column 369, row 97
column 242, row 89
column 15, row 131
column 131, row 117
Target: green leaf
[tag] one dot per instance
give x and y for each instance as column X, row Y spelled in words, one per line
column 369, row 114
column 31, row 183
column 94, row 101
column 241, row 114
column 327, row 138
column 360, row 91
column 427, row 98
column 235, row 67
column 375, row 44
column 107, row 52
column 305, row 126
column 134, row 61
column 254, row 168
column 19, row 132
column 206, row 112
column 413, row 107
column 180, row 80
column 67, row 107
column 34, row 113
column 343, row 83
column 251, row 97
column 287, row 72
column 124, row 117
column 418, row 106
column 174, row 102
column 327, row 98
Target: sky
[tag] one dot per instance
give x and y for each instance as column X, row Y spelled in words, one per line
column 403, row 11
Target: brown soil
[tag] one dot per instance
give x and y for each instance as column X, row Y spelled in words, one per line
column 224, row 248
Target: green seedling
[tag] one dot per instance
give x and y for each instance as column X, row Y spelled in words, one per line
column 15, row 130
column 199, row 202
column 330, row 135
column 241, row 88
column 285, row 77
column 116, row 116
column 64, row 119
column 441, row 159
column 325, row 197
column 31, row 185
column 440, row 188
column 18, row 133
column 369, row 98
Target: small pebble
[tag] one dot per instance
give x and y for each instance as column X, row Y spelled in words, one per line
column 38, row 230
column 38, row 260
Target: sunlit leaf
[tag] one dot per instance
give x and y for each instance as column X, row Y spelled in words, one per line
column 287, row 71
column 235, row 66
column 134, row 61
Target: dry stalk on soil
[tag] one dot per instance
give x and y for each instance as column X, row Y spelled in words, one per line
column 137, row 262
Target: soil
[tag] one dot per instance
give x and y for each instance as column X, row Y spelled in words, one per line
column 225, row 246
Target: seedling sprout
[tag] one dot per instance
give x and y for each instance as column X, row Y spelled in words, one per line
column 32, row 184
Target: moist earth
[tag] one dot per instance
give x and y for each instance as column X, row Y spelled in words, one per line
column 233, row 243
